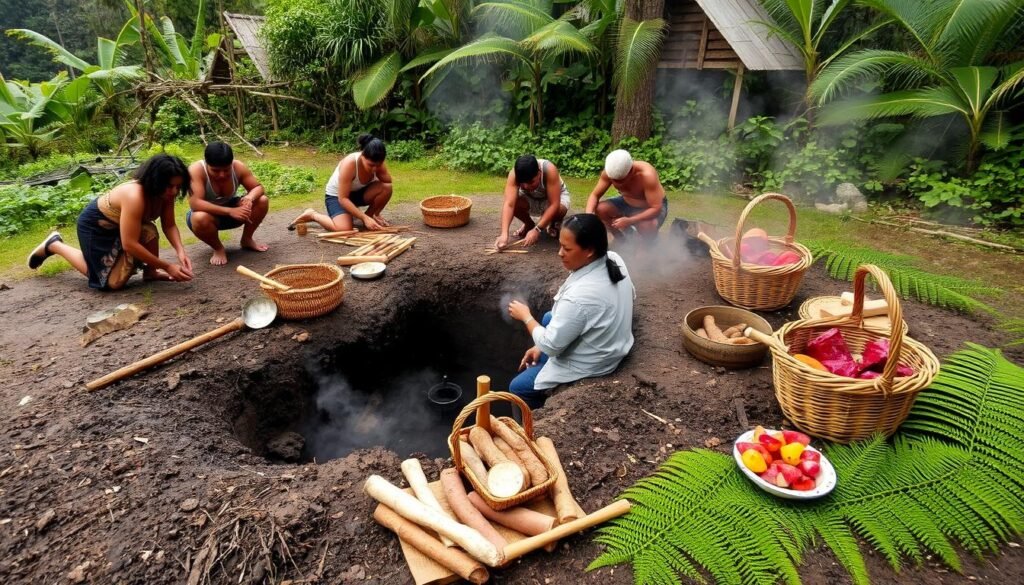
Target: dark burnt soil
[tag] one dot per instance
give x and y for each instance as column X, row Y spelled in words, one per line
column 163, row 476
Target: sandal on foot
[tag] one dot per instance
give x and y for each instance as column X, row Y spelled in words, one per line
column 42, row 251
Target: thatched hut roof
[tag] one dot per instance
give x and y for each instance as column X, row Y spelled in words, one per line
column 246, row 29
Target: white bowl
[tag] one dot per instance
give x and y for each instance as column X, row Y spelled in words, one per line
column 823, row 484
column 368, row 270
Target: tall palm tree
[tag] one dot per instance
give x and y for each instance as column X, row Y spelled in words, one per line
column 638, row 48
column 533, row 39
column 951, row 70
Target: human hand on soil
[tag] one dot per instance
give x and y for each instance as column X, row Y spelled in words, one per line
column 531, row 237
column 530, row 358
column 179, row 273
column 519, row 311
column 500, row 242
column 371, row 224
column 383, row 222
column 185, row 261
column 621, row 223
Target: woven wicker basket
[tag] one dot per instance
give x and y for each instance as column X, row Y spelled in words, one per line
column 316, row 290
column 752, row 286
column 458, row 432
column 844, row 409
column 446, row 211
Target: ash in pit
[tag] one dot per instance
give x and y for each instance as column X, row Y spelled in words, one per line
column 380, row 393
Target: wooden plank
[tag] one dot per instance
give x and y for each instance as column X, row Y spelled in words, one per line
column 692, row 64
column 736, row 89
column 703, row 45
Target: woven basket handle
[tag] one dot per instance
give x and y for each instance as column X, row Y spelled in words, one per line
column 746, row 212
column 453, row 440
column 897, row 328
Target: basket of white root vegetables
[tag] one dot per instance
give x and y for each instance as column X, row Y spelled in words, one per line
column 714, row 335
column 498, row 457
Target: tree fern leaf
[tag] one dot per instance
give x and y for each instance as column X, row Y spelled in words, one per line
column 842, row 544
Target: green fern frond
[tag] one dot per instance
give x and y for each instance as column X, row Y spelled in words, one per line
column 841, row 262
column 1014, row 327
column 952, row 476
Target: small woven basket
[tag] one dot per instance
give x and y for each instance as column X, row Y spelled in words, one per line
column 446, row 211
column 844, row 409
column 458, row 432
column 317, row 289
column 752, row 286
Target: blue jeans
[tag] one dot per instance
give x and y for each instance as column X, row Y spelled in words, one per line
column 522, row 385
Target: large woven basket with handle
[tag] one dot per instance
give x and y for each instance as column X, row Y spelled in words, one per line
column 316, row 289
column 753, row 286
column 839, row 408
column 526, row 432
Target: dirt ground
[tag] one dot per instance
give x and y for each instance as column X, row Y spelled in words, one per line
column 147, row 481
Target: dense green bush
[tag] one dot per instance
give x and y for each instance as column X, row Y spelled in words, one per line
column 279, row 179
column 406, row 150
column 992, row 196
column 22, row 206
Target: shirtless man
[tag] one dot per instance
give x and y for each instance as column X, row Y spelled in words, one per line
column 533, row 187
column 641, row 203
column 215, row 204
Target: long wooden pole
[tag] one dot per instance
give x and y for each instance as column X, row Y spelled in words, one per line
column 164, row 355
column 736, row 90
column 483, row 412
column 527, row 545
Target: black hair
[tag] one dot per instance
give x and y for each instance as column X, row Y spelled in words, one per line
column 218, row 154
column 156, row 173
column 526, row 168
column 372, row 147
column 590, row 234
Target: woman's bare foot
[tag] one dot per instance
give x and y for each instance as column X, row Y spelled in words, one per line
column 219, row 257
column 251, row 244
column 156, row 275
column 305, row 216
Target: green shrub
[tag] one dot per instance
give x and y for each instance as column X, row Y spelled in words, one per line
column 175, row 120
column 22, row 206
column 404, row 150
column 992, row 196
column 279, row 179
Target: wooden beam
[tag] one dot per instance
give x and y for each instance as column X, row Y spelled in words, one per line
column 736, row 97
column 703, row 45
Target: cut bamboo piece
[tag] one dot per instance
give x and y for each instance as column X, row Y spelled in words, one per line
column 538, row 473
column 380, row 244
column 413, row 510
column 473, row 461
column 465, row 511
column 483, row 412
column 520, row 519
column 455, row 561
column 336, row 234
column 565, row 505
column 527, row 545
column 353, row 260
column 413, row 473
column 398, row 251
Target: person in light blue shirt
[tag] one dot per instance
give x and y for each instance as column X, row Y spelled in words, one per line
column 590, row 327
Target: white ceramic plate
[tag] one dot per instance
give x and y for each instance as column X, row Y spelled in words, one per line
column 368, row 270
column 823, row 484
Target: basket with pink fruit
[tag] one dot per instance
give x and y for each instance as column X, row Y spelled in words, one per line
column 783, row 463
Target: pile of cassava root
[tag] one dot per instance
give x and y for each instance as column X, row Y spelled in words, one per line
column 732, row 335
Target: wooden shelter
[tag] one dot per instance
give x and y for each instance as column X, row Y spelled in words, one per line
column 245, row 29
column 724, row 34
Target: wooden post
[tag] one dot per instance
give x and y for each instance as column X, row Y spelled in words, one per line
column 703, row 48
column 483, row 413
column 736, row 96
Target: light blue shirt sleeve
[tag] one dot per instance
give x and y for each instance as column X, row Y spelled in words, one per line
column 566, row 326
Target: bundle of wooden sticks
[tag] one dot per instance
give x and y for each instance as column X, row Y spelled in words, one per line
column 381, row 249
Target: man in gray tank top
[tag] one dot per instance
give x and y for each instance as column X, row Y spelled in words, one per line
column 533, row 187
column 215, row 204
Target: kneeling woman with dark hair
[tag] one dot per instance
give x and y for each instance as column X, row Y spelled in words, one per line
column 117, row 233
column 590, row 327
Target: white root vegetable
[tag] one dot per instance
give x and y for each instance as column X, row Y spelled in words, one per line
column 414, row 510
column 714, row 333
column 509, row 452
column 538, row 473
column 484, row 445
column 473, row 462
column 467, row 513
column 505, row 480
column 418, row 482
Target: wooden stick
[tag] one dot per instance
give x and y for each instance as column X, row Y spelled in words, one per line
column 412, row 509
column 455, row 493
column 358, row 251
column 392, row 246
column 380, row 244
column 483, row 412
column 490, row 251
column 413, row 473
column 538, row 472
column 454, row 560
column 353, row 260
column 257, row 276
column 165, row 355
column 336, row 234
column 517, row 549
column 565, row 505
column 522, row 520
column 398, row 251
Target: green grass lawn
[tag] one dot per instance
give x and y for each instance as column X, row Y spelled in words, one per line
column 417, row 180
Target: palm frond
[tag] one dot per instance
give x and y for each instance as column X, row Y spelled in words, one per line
column 870, row 64
column 969, row 28
column 374, row 83
column 841, row 262
column 1014, row 327
column 950, row 477
column 921, row 103
column 637, row 51
column 517, row 18
column 60, row 54
column 488, row 47
column 557, row 38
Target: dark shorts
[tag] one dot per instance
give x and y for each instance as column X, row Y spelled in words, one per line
column 629, row 211
column 334, row 207
column 224, row 222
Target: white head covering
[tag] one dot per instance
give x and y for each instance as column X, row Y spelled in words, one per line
column 618, row 164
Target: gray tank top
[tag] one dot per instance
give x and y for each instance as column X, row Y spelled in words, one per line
column 212, row 196
column 541, row 192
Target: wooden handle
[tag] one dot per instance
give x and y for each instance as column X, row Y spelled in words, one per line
column 353, row 260
column 483, row 414
column 164, row 355
column 746, row 212
column 764, row 338
column 257, row 276
column 527, row 545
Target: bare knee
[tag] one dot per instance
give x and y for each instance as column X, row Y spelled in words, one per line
column 607, row 212
column 200, row 221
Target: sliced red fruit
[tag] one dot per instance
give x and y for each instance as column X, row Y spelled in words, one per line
column 771, row 443
column 770, row 475
column 792, row 474
column 810, row 455
column 796, row 437
column 810, row 468
column 804, row 484
column 744, row 447
column 758, row 431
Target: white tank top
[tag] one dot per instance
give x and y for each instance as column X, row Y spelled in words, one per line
column 332, row 183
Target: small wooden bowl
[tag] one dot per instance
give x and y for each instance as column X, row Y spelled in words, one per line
column 724, row 354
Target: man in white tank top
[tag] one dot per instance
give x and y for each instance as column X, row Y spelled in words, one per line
column 215, row 205
column 533, row 187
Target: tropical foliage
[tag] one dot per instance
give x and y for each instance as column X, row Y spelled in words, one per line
column 950, row 477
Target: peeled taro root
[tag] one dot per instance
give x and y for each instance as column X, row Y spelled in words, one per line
column 829, row 346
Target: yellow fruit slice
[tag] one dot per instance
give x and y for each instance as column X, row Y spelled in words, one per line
column 753, row 460
column 810, row 361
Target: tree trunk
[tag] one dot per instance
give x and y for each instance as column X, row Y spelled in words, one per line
column 633, row 112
